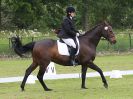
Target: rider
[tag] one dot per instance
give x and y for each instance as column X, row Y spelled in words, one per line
column 69, row 34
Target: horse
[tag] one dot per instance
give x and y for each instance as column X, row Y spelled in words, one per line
column 45, row 51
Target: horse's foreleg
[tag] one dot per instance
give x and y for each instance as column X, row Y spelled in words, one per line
column 27, row 73
column 96, row 68
column 40, row 78
column 83, row 71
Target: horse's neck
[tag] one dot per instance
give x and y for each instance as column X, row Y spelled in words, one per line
column 94, row 36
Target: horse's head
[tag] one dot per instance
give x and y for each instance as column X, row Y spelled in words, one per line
column 108, row 33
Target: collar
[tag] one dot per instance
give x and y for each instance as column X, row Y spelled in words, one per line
column 71, row 17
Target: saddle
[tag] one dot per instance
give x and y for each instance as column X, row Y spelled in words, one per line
column 64, row 49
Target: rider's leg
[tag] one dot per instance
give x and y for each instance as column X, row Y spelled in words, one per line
column 69, row 42
column 72, row 52
column 72, row 49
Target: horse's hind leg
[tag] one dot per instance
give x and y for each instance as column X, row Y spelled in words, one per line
column 40, row 75
column 27, row 73
column 95, row 67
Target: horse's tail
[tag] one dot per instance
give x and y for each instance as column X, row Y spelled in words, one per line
column 19, row 48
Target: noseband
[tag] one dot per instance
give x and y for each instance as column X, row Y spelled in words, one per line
column 108, row 34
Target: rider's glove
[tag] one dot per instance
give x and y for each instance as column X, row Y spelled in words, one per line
column 77, row 34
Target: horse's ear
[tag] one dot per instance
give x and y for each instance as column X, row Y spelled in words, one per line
column 105, row 22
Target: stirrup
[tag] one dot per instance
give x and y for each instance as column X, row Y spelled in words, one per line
column 74, row 63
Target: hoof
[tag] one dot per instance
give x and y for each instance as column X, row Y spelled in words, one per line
column 106, row 86
column 22, row 89
column 84, row 88
column 48, row 89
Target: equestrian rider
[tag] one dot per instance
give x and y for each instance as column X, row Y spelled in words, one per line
column 68, row 33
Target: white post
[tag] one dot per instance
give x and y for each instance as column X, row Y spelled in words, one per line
column 116, row 74
column 31, row 80
column 50, row 69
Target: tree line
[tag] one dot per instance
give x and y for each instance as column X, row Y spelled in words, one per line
column 48, row 14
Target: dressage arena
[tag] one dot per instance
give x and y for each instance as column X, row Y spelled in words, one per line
column 66, row 81
column 42, row 40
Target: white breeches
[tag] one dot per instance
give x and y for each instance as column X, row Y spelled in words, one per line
column 70, row 42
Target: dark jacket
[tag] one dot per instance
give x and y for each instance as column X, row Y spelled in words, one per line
column 68, row 30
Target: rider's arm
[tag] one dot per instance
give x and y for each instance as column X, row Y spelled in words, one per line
column 68, row 28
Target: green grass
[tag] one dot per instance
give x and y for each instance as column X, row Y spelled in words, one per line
column 123, row 43
column 70, row 89
column 6, row 47
column 121, row 62
column 17, row 67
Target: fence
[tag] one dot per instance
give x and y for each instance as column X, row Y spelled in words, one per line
column 124, row 43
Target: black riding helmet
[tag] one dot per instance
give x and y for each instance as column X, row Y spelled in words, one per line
column 70, row 9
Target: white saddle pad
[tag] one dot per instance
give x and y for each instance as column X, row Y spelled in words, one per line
column 63, row 49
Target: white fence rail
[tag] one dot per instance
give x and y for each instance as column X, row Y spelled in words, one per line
column 65, row 76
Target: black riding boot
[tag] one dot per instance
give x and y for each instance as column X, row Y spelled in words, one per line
column 72, row 56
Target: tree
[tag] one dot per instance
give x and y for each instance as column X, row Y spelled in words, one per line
column 85, row 14
column 0, row 14
column 48, row 14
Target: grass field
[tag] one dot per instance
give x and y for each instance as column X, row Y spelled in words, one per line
column 17, row 67
column 124, row 43
column 70, row 88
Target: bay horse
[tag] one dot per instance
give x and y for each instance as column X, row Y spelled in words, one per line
column 44, row 51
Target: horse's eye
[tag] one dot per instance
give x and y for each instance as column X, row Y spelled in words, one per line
column 110, row 30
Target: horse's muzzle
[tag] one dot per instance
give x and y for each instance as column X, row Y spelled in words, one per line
column 112, row 40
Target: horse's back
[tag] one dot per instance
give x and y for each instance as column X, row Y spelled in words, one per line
column 46, row 46
column 46, row 43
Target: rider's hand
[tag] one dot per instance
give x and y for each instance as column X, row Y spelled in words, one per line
column 77, row 34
